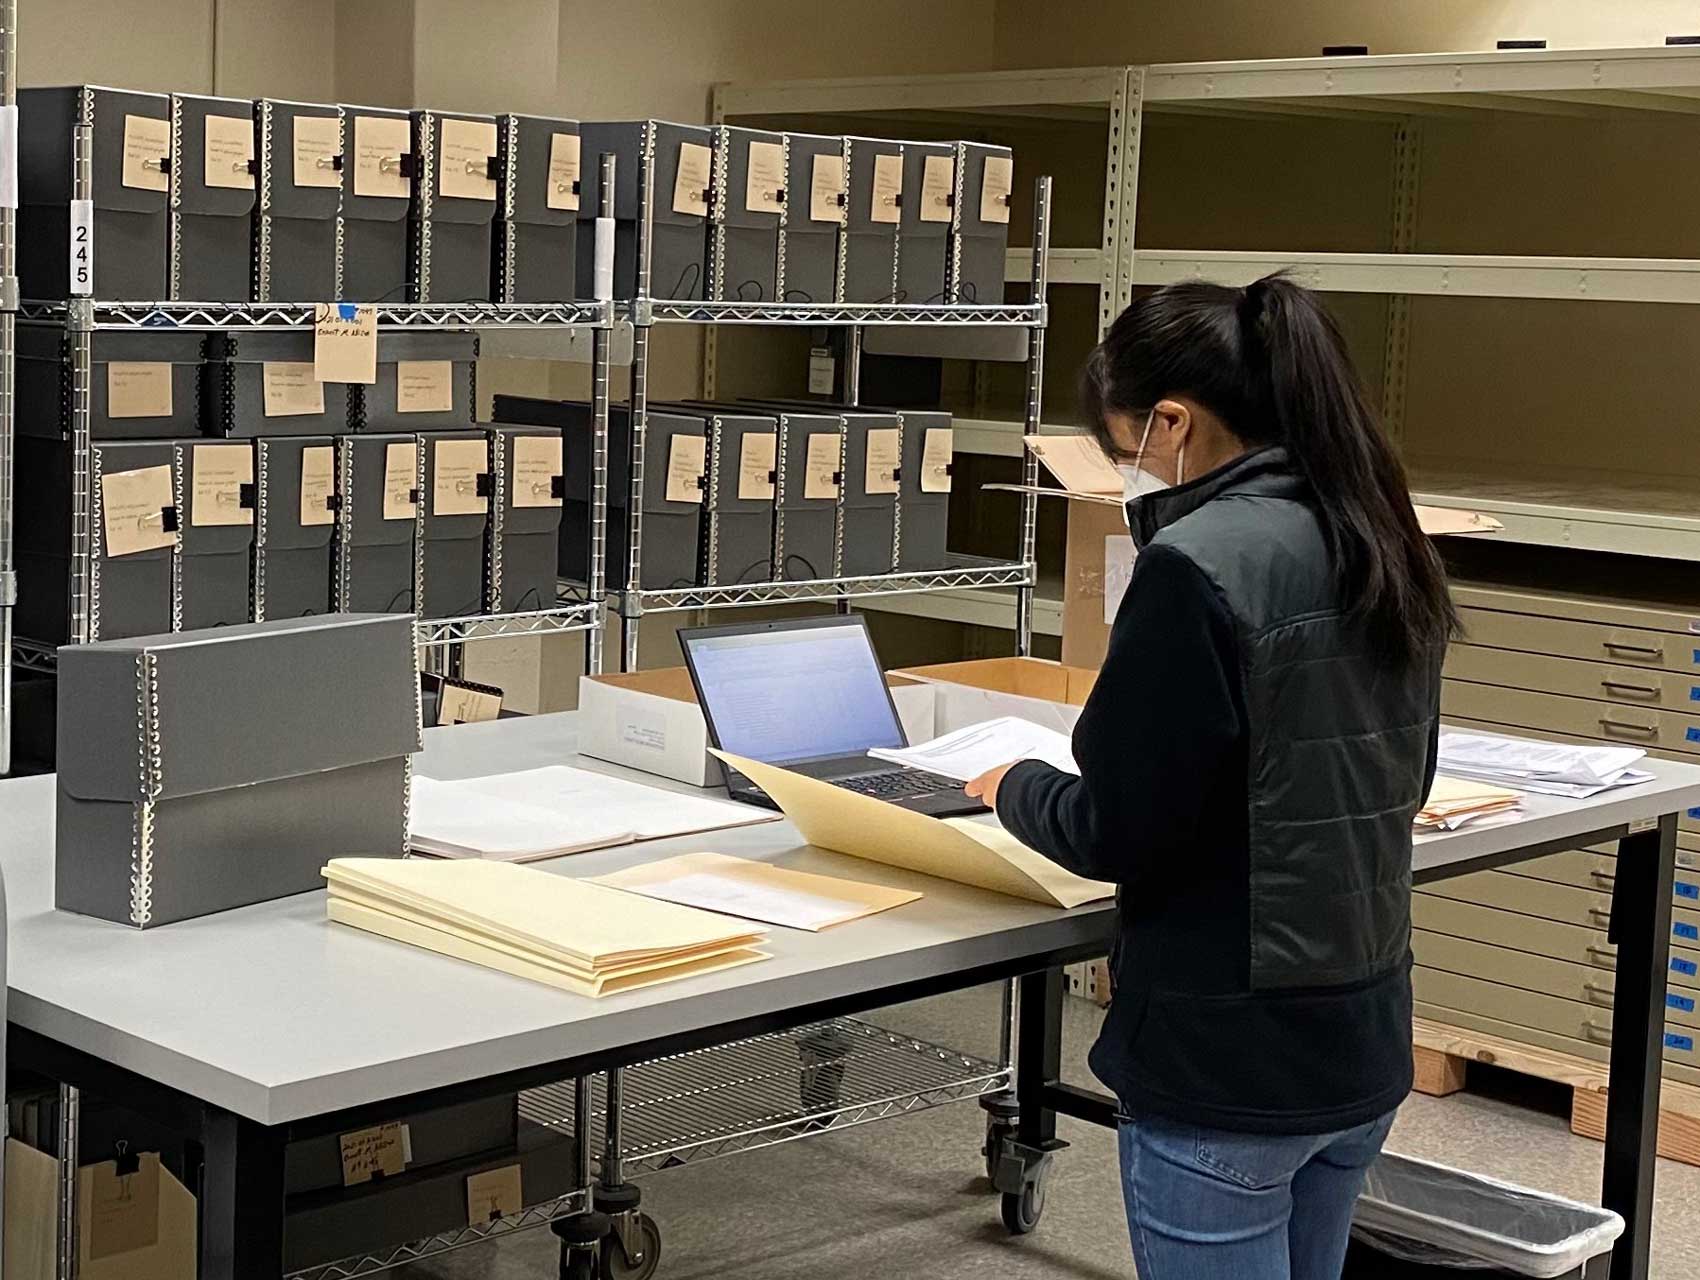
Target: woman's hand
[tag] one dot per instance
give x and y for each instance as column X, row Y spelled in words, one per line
column 985, row 787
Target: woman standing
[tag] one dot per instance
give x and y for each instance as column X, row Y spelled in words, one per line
column 1257, row 744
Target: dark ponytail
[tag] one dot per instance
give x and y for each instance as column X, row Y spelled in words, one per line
column 1269, row 361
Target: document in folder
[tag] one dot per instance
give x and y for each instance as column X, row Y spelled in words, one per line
column 758, row 890
column 958, row 849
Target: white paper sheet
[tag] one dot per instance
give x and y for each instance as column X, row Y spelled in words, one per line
column 1550, row 768
column 451, row 820
column 758, row 891
column 970, row 751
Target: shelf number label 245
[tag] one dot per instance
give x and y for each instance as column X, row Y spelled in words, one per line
column 82, row 248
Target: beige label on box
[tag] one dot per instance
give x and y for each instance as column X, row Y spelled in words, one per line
column 366, row 1153
column 820, row 478
column 379, row 144
column 938, row 188
column 881, row 473
column 345, row 342
column 317, row 143
column 465, row 149
column 826, row 189
column 536, row 467
column 220, row 471
column 424, row 386
column 564, row 152
column 456, row 466
column 755, row 464
column 888, row 189
column 290, row 389
column 229, row 151
column 401, row 478
column 995, row 186
column 457, row 704
column 138, row 389
column 764, row 186
column 123, row 1211
column 936, row 449
column 318, row 485
column 687, row 463
column 690, row 188
column 495, row 1193
column 132, row 509
column 147, row 153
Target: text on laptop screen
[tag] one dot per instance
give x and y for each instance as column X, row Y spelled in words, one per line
column 794, row 695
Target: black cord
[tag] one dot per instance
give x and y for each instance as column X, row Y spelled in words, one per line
column 690, row 274
column 812, row 572
column 396, row 599
column 751, row 284
column 798, row 295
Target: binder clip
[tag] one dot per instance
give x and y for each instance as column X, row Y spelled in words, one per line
column 413, row 496
column 168, row 519
column 841, row 199
column 1345, row 50
column 402, row 164
column 773, row 477
column 329, row 162
column 247, row 496
column 247, row 166
column 481, row 484
column 838, row 478
column 127, row 1163
column 1680, row 40
column 162, row 165
column 333, row 502
column 557, row 486
column 492, row 168
column 1520, row 44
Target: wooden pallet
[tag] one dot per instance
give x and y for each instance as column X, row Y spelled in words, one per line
column 1442, row 1053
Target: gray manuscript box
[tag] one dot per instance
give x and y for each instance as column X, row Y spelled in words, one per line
column 923, row 516
column 234, row 379
column 457, row 514
column 43, row 383
column 292, row 555
column 736, row 543
column 374, row 226
column 393, row 403
column 209, row 770
column 536, row 255
column 871, row 221
column 744, row 233
column 679, row 238
column 979, row 246
column 378, row 525
column 212, row 588
column 297, row 225
column 524, row 535
column 923, row 248
column 212, row 199
column 808, row 246
column 449, row 234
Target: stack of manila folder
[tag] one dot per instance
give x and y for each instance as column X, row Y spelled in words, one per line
column 1453, row 802
column 581, row 937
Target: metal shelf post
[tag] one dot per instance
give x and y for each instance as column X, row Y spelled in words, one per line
column 631, row 604
column 8, row 405
column 596, row 576
column 1035, row 406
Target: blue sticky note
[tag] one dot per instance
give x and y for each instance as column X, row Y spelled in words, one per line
column 1694, row 812
column 1694, row 693
column 1683, row 1043
column 1687, row 968
column 1694, row 733
column 1686, row 931
column 1697, row 657
column 347, row 311
column 1687, row 889
column 1684, row 1004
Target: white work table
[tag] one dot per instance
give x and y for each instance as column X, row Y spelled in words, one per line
column 273, row 1015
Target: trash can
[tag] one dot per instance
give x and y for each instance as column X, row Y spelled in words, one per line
column 1417, row 1219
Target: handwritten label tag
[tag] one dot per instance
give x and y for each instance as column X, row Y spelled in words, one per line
column 401, row 478
column 229, row 151
column 379, row 144
column 318, row 485
column 936, row 449
column 495, row 1193
column 755, row 465
column 764, row 185
column 536, row 467
column 123, row 1211
column 345, row 342
column 290, row 389
column 457, row 704
column 881, row 471
column 138, row 389
column 463, row 162
column 825, row 456
column 456, row 468
column 687, row 463
column 888, row 189
column 995, row 186
column 563, row 170
column 132, row 506
column 823, row 371
column 147, row 153
column 82, row 248
column 316, row 146
column 367, row 1153
column 690, row 187
column 424, row 386
column 220, row 471
column 938, row 187
column 826, row 189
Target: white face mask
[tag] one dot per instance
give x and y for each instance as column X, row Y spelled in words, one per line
column 1136, row 481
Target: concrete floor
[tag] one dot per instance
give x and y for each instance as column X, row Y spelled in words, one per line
column 906, row 1197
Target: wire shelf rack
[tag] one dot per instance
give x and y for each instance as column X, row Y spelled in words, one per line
column 272, row 315
column 367, row 1264
column 33, row 655
column 967, row 571
column 653, row 310
column 770, row 1089
column 432, row 633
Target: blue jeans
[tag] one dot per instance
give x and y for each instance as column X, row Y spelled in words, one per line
column 1203, row 1204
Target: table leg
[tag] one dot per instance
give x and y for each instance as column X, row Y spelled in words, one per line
column 241, row 1200
column 1640, row 926
column 1038, row 1053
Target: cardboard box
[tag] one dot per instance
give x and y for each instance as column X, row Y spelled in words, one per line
column 1035, row 689
column 650, row 720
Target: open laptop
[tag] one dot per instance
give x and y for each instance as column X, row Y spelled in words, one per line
column 809, row 694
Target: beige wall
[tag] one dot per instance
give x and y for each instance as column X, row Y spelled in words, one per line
column 1042, row 33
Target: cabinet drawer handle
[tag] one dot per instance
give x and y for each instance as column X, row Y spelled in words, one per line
column 1627, row 726
column 1600, row 916
column 1604, row 879
column 1591, row 1030
column 1647, row 690
column 1645, row 650
column 1593, row 989
column 1604, row 958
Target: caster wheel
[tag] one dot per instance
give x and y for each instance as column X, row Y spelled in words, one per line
column 1022, row 1210
column 577, row 1264
column 997, row 1133
column 616, row 1265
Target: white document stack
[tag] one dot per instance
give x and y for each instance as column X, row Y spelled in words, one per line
column 573, row 934
column 973, row 749
column 1547, row 768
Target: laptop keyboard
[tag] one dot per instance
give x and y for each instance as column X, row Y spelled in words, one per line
column 899, row 784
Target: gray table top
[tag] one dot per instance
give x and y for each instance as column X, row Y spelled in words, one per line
column 276, row 1014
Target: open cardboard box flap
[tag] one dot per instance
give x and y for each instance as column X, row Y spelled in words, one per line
column 1035, row 689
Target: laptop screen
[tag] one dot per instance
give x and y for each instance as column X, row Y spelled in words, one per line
column 789, row 694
